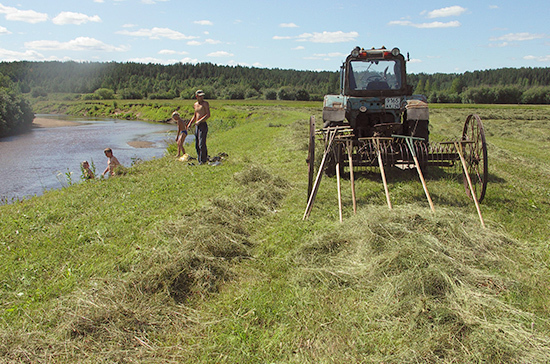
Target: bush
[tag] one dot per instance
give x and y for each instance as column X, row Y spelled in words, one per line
column 131, row 94
column 536, row 95
column 104, row 94
column 270, row 94
column 302, row 95
column 508, row 95
column 38, row 92
column 479, row 95
column 236, row 93
column 286, row 93
column 16, row 113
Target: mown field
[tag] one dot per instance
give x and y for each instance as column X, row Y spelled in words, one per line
column 173, row 262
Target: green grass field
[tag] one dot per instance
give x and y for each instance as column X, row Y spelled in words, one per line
column 174, row 263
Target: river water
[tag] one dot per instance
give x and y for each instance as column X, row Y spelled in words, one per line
column 40, row 160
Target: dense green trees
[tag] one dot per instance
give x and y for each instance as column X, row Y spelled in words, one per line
column 155, row 81
column 15, row 112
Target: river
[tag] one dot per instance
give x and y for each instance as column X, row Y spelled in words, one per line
column 41, row 159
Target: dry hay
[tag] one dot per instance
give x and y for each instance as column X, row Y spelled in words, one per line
column 436, row 283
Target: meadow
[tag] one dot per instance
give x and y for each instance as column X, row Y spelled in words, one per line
column 173, row 262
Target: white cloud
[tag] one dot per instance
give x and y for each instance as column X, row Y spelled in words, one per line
column 329, row 37
column 156, row 33
column 538, row 58
column 206, row 41
column 299, row 48
column 332, row 54
column 288, row 25
column 445, row 12
column 499, row 45
column 9, row 56
column 493, row 7
column 161, row 61
column 278, row 37
column 203, row 22
column 519, row 37
column 68, row 17
column 220, row 54
column 28, row 16
column 99, row 1
column 435, row 24
column 4, row 30
column 324, row 37
column 169, row 51
column 77, row 44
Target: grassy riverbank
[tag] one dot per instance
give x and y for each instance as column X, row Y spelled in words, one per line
column 180, row 263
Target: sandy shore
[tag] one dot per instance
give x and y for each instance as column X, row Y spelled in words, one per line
column 140, row 144
column 52, row 123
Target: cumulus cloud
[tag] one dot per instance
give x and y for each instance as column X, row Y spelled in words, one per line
column 203, row 22
column 68, row 17
column 206, row 41
column 156, row 33
column 288, row 25
column 446, row 12
column 28, row 16
column 435, row 24
column 324, row 37
column 170, row 51
column 77, row 44
column 154, row 60
column 9, row 56
column 538, row 58
column 4, row 30
column 220, row 54
column 518, row 37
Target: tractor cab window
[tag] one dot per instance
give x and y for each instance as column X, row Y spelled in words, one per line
column 375, row 75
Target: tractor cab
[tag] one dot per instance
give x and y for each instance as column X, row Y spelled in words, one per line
column 375, row 98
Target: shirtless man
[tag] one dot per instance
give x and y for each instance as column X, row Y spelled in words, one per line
column 202, row 113
column 182, row 133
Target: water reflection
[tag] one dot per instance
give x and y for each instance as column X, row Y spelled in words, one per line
column 38, row 160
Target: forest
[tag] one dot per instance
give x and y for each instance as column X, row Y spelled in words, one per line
column 93, row 80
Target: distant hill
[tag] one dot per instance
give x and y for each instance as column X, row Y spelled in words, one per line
column 156, row 81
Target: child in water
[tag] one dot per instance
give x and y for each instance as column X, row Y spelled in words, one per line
column 112, row 162
column 86, row 171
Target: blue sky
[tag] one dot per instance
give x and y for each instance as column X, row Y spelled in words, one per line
column 441, row 36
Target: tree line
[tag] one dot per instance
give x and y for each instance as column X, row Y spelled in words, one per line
column 94, row 80
column 16, row 114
